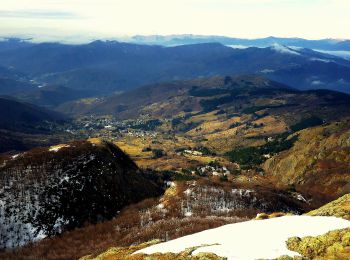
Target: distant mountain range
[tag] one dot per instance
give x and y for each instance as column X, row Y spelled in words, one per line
column 182, row 39
column 105, row 67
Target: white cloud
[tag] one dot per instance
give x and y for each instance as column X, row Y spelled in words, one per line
column 238, row 18
column 317, row 83
column 37, row 14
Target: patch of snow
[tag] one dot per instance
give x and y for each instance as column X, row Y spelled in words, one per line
column 296, row 48
column 283, row 49
column 253, row 239
column 15, row 156
column 242, row 192
column 188, row 214
column 65, row 178
column 342, row 81
column 238, row 46
column 59, row 223
column 56, row 148
column 188, row 192
column 321, row 60
column 267, row 71
column 160, row 206
column 316, row 83
column 300, row 197
column 342, row 54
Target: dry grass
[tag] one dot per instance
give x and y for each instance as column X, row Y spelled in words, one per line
column 96, row 141
column 262, row 216
column 134, row 147
column 134, row 150
column 205, row 117
column 210, row 127
column 270, row 126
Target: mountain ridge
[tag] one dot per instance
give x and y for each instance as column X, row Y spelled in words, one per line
column 108, row 66
column 182, row 96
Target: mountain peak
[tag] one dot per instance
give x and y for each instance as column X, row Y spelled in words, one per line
column 280, row 48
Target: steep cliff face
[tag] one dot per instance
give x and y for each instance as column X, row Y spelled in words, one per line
column 48, row 190
column 318, row 164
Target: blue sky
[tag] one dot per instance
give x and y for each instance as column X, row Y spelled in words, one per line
column 89, row 19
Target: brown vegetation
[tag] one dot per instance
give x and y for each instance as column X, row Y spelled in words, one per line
column 318, row 166
column 135, row 224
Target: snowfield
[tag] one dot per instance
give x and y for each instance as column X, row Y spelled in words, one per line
column 253, row 239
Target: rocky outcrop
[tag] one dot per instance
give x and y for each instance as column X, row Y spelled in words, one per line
column 332, row 245
column 339, row 208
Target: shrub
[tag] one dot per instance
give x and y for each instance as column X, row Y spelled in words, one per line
column 149, row 125
column 158, row 153
column 235, row 124
column 212, row 104
column 223, row 178
column 305, row 123
column 204, row 150
column 196, row 91
column 214, row 163
column 251, row 157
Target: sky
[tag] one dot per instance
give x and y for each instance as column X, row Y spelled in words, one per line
column 72, row 20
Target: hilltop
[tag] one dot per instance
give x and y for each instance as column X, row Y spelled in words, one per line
column 241, row 94
column 46, row 191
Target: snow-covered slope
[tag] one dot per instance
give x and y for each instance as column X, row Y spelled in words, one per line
column 255, row 239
